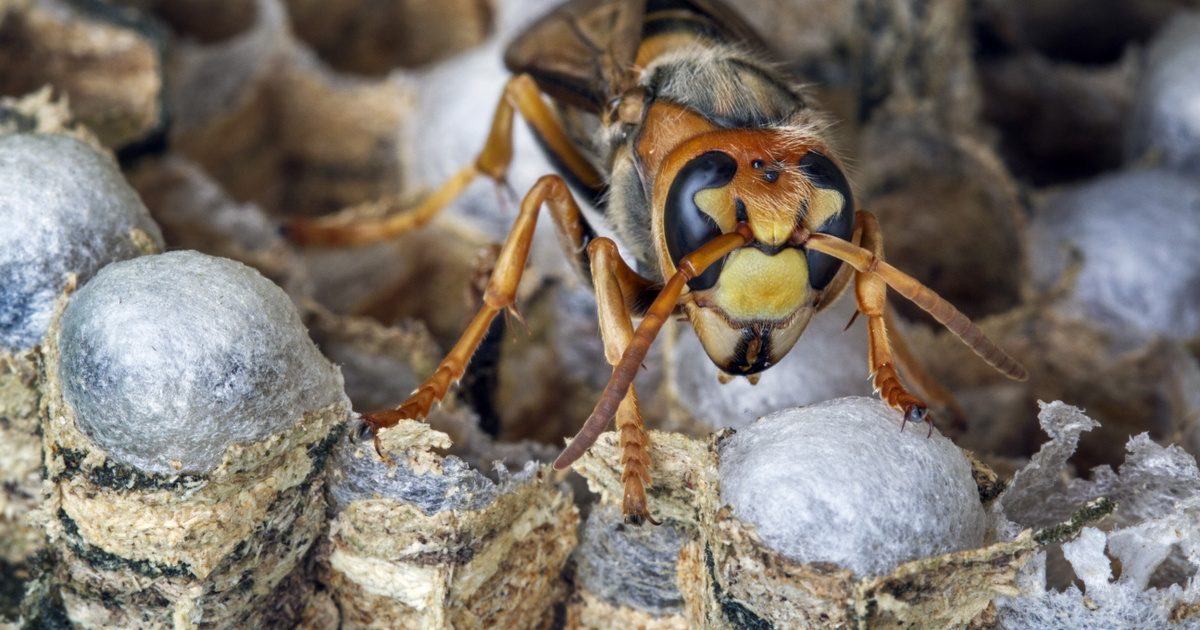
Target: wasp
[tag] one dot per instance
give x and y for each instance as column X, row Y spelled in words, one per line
column 713, row 171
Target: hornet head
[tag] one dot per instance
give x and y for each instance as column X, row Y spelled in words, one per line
column 749, row 309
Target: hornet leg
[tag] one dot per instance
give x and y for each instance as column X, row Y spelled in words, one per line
column 871, row 292
column 616, row 288
column 500, row 294
column 353, row 227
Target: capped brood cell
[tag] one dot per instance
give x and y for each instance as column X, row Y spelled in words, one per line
column 189, row 422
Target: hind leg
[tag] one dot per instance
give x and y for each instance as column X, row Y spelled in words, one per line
column 352, row 227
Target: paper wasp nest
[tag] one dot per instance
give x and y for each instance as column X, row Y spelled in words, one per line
column 1121, row 285
column 1165, row 123
column 108, row 63
column 1026, row 160
column 68, row 210
column 625, row 575
column 194, row 212
column 1154, row 535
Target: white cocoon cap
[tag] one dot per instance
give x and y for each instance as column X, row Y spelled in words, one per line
column 1166, row 112
column 169, row 359
column 1138, row 234
column 64, row 208
column 839, row 482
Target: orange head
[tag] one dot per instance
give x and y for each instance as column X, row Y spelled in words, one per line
column 750, row 308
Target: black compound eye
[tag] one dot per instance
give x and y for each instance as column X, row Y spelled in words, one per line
column 832, row 205
column 686, row 226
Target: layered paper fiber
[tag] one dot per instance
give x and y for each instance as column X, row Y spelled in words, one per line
column 430, row 543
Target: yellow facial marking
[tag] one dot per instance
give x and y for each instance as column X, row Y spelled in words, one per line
column 823, row 204
column 755, row 286
column 772, row 230
column 719, row 340
column 718, row 204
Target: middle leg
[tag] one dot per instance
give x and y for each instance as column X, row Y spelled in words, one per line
column 500, row 293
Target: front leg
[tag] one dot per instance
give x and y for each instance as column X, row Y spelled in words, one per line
column 617, row 286
column 871, row 293
column 690, row 266
column 873, row 276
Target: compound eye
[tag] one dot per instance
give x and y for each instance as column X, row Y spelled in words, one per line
column 831, row 209
column 687, row 225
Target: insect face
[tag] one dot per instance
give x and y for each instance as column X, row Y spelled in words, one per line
column 749, row 309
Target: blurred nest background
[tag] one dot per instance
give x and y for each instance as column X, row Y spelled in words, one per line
column 1036, row 162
